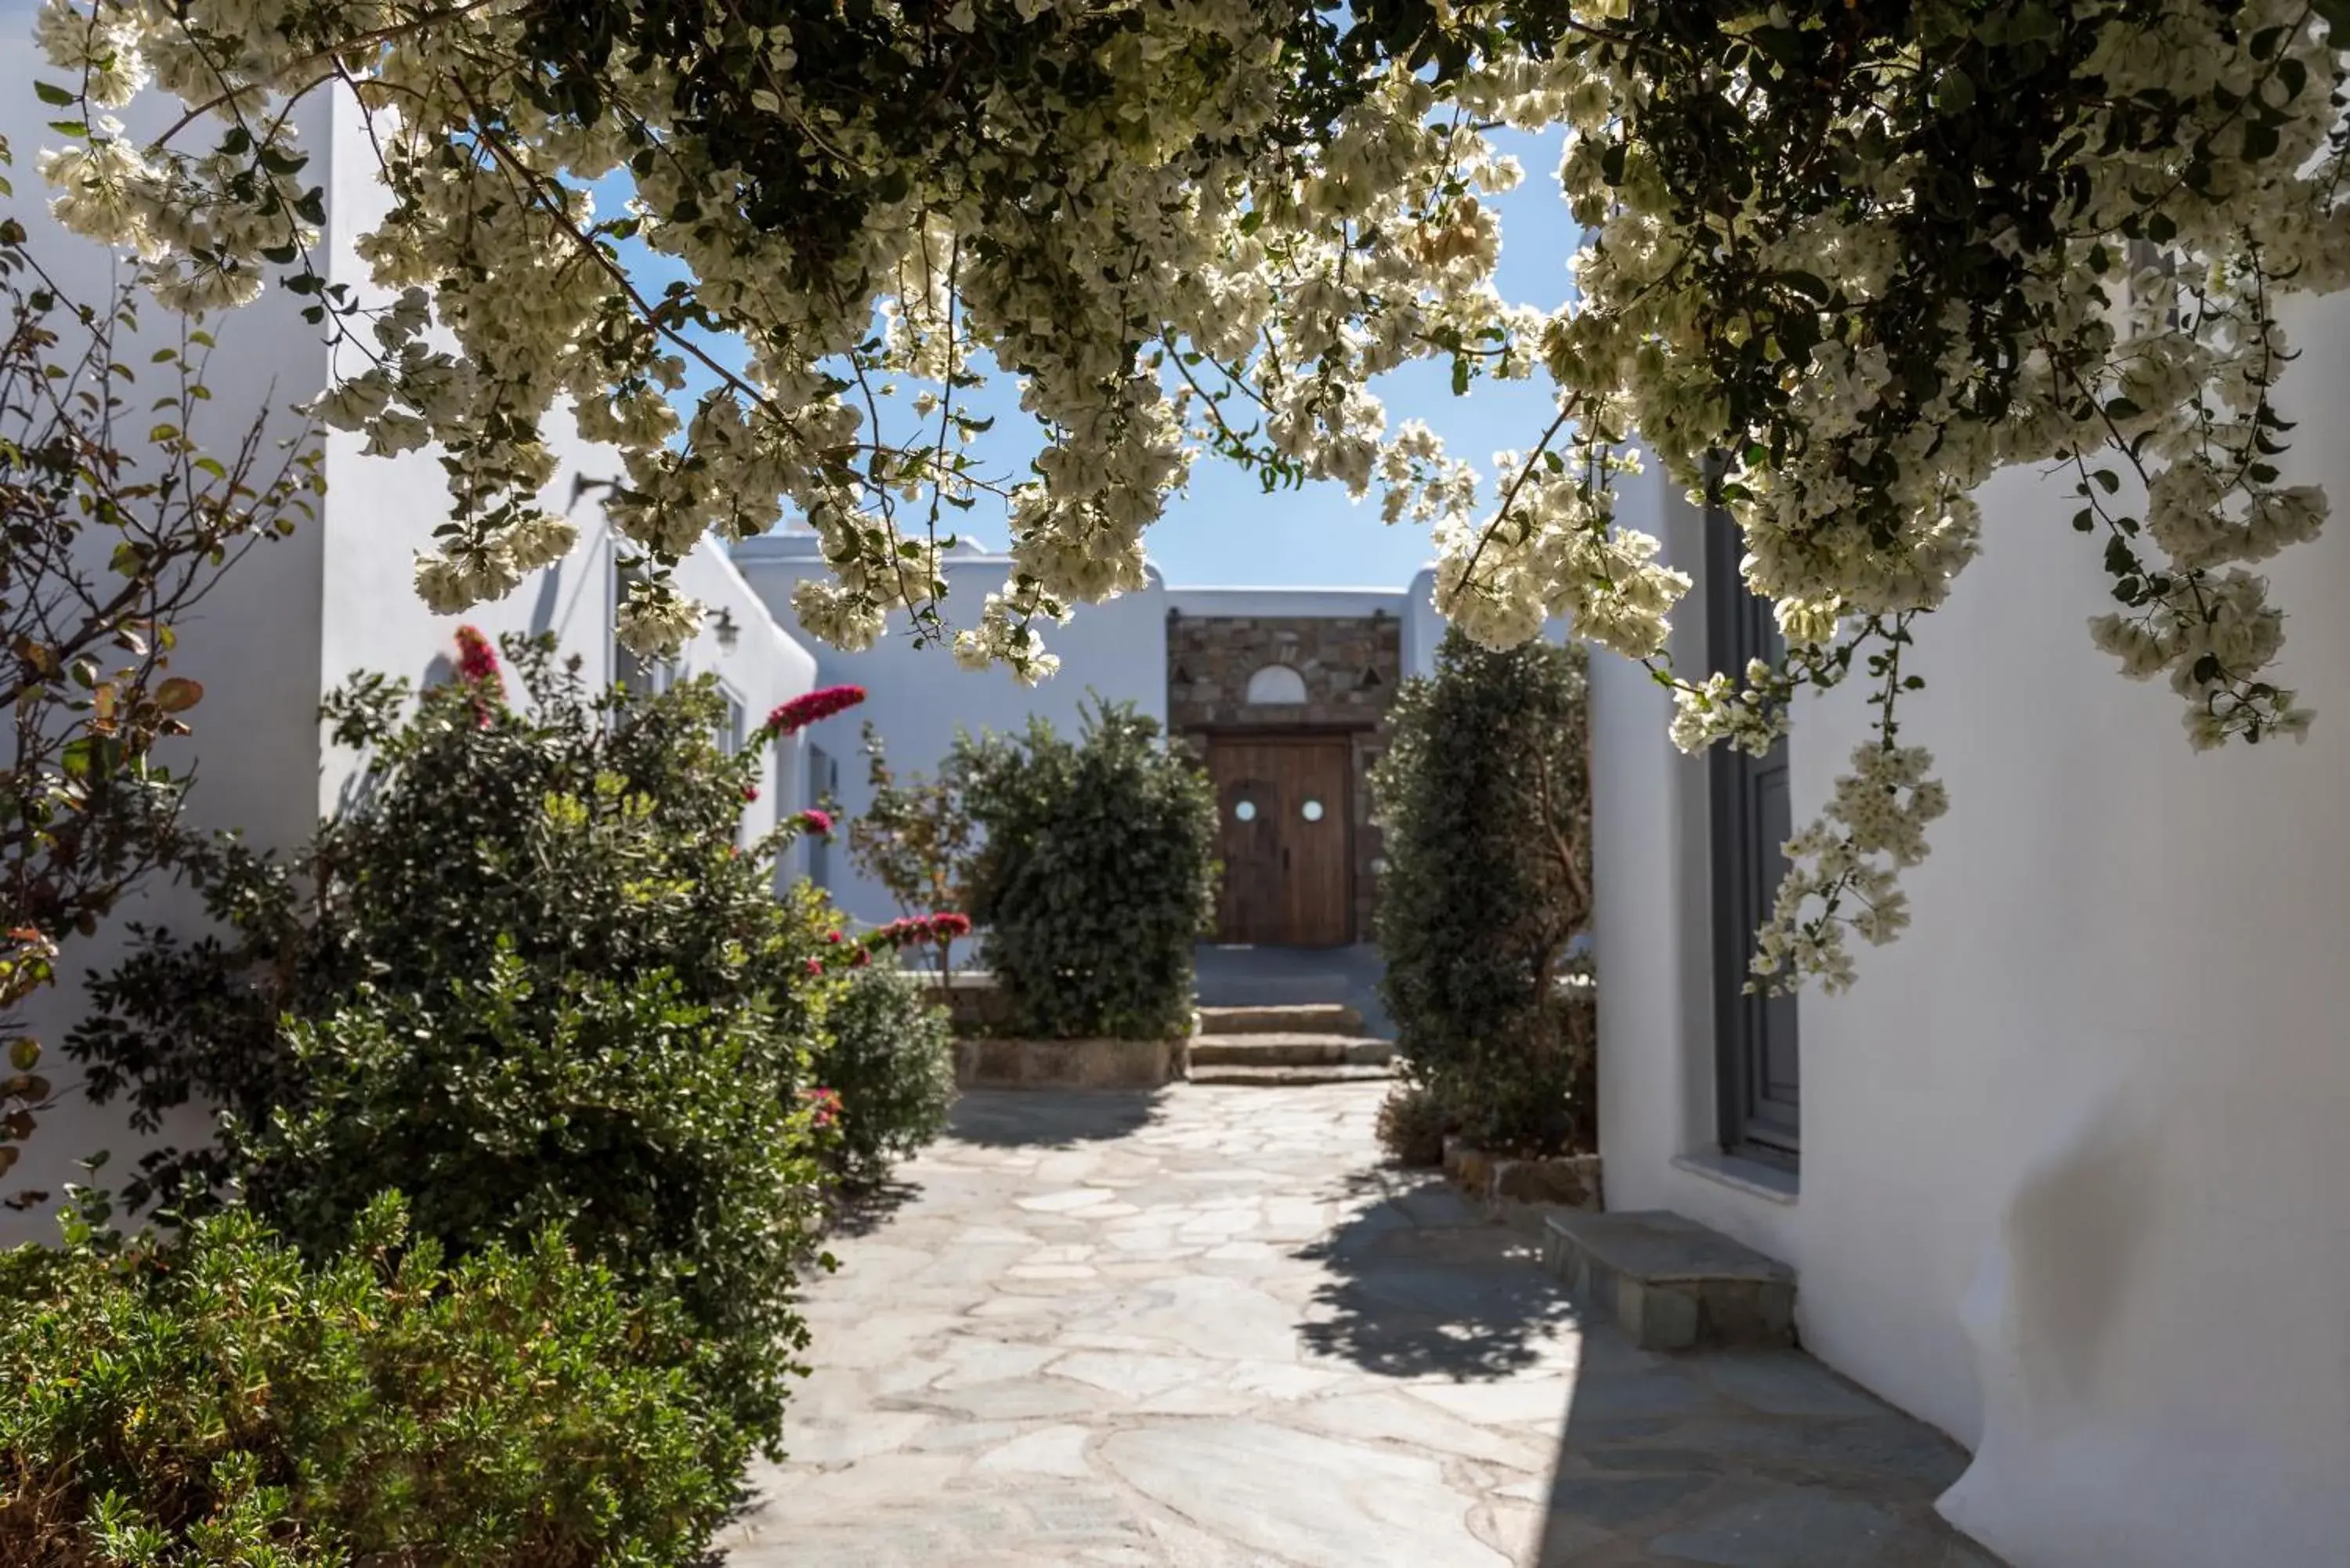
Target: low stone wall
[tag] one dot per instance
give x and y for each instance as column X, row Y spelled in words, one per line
column 1520, row 1192
column 1000, row 1064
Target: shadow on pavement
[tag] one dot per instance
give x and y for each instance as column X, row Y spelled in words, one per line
column 1421, row 1284
column 861, row 1211
column 1051, row 1118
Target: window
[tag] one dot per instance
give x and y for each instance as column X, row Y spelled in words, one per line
column 731, row 727
column 1276, row 683
column 645, row 677
column 823, row 788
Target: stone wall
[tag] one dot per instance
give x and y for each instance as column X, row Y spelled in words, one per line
column 1350, row 665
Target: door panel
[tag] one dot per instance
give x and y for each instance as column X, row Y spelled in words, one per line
column 1760, row 1077
column 1315, row 837
column 1282, row 810
column 1251, row 901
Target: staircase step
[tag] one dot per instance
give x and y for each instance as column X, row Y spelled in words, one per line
column 1672, row 1283
column 1312, row 1018
column 1290, row 1077
column 1289, row 1050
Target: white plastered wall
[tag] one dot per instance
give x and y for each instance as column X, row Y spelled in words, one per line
column 2073, row 1146
column 301, row 615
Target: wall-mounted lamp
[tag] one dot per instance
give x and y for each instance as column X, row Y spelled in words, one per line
column 729, row 631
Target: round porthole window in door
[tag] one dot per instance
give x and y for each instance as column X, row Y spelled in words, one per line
column 1311, row 811
column 1245, row 810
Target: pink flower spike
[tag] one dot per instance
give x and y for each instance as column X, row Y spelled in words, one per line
column 822, row 704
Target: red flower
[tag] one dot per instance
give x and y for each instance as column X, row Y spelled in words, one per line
column 750, row 793
column 832, row 936
column 816, row 966
column 825, row 1103
column 864, row 956
column 944, row 926
column 816, row 820
column 477, row 667
column 801, row 712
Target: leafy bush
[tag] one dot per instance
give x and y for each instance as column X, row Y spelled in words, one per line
column 222, row 1401
column 1483, row 799
column 1095, row 874
column 890, row 1060
column 525, row 975
column 1412, row 1124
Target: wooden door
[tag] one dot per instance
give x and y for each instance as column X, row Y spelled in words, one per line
column 1282, row 810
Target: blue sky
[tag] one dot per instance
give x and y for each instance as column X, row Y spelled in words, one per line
column 1225, row 532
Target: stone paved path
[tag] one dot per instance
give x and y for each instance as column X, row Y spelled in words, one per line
column 1207, row 1329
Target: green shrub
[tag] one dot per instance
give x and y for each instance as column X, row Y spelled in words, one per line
column 1483, row 800
column 222, row 1401
column 1094, row 876
column 526, row 974
column 890, row 1061
column 1412, row 1124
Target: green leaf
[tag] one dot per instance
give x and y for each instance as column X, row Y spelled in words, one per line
column 179, row 694
column 50, row 93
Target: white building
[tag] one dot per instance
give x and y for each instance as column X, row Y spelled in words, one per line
column 1280, row 691
column 2063, row 1173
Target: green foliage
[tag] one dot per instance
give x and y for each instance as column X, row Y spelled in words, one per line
column 1096, row 875
column 1483, row 800
column 1412, row 1124
column 890, row 1057
column 225, row 1401
column 525, row 975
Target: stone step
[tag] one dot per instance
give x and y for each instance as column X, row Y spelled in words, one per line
column 1311, row 1018
column 1290, row 1077
column 1290, row 1050
column 1672, row 1283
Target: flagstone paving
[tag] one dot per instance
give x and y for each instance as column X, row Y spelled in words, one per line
column 1206, row 1328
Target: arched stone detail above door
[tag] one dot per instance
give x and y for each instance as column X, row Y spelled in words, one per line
column 1275, row 683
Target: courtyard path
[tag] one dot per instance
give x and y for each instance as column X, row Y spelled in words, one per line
column 1207, row 1328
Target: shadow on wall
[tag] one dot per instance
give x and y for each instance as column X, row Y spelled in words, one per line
column 1025, row 1118
column 1421, row 1285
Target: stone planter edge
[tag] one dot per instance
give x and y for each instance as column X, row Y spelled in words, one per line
column 994, row 1062
column 1520, row 1192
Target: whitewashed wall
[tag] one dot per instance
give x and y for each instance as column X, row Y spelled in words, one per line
column 301, row 615
column 2073, row 1149
column 918, row 697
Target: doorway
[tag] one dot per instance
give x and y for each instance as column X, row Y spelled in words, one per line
column 1283, row 814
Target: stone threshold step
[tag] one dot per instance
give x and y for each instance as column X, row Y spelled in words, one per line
column 1289, row 1050
column 1672, row 1283
column 1313, row 1018
column 1289, row 1077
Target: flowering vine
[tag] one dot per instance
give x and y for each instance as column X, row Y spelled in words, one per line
column 790, row 718
column 1840, row 261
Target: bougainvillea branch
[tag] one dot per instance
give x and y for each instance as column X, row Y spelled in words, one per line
column 1840, row 261
column 792, row 717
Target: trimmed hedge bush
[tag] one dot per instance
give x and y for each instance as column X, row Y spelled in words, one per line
column 1483, row 800
column 222, row 1401
column 889, row 1059
column 1094, row 876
